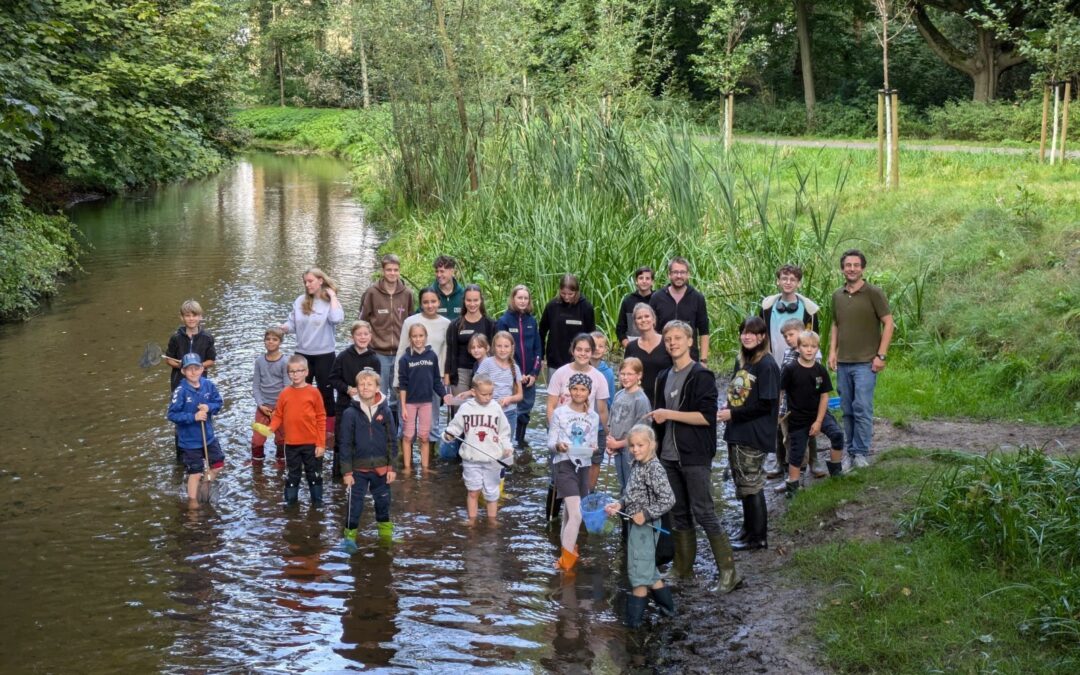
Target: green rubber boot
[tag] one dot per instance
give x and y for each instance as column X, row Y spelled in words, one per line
column 349, row 534
column 386, row 532
column 727, row 579
column 685, row 552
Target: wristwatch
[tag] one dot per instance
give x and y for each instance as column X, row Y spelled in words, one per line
column 881, row 356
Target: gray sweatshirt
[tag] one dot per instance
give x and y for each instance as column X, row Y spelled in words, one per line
column 269, row 379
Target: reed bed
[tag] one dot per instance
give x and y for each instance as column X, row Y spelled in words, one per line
column 567, row 193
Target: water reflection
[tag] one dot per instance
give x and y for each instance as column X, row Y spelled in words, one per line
column 101, row 549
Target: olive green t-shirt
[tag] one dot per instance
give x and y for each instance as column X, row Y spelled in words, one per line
column 858, row 318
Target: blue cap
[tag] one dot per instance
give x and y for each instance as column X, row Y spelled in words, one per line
column 190, row 360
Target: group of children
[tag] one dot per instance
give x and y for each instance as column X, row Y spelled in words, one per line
column 587, row 420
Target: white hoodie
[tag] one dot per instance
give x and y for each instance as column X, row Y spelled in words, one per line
column 484, row 428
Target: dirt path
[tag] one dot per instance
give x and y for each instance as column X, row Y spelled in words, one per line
column 906, row 147
column 765, row 626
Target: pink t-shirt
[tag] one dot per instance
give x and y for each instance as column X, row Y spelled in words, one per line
column 560, row 385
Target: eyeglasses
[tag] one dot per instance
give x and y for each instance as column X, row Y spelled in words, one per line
column 787, row 307
column 297, row 371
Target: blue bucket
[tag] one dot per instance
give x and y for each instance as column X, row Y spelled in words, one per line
column 592, row 511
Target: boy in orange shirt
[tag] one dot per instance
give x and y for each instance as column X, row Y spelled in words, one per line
column 300, row 409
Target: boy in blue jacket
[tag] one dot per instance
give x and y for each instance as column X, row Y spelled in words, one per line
column 194, row 401
column 368, row 446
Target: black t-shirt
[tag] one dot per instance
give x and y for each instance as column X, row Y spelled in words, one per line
column 754, row 396
column 465, row 333
column 804, row 387
column 652, row 363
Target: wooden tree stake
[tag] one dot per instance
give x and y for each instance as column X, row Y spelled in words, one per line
column 1045, row 116
column 894, row 178
column 1065, row 118
column 881, row 136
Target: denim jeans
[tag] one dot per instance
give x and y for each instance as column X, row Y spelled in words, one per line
column 692, row 486
column 386, row 379
column 524, row 407
column 855, row 382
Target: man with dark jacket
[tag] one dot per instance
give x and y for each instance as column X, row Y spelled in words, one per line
column 686, row 442
column 682, row 302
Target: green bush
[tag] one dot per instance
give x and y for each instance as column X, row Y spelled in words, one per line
column 35, row 250
column 988, row 122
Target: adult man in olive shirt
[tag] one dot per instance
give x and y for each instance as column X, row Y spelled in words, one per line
column 681, row 301
column 862, row 329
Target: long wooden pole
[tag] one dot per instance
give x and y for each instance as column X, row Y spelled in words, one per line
column 1045, row 116
column 1054, row 135
column 1065, row 118
column 881, row 136
column 895, row 149
column 729, row 122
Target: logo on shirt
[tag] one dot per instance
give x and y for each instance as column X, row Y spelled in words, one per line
column 740, row 387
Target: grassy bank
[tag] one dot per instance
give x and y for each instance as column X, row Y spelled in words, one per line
column 976, row 252
column 983, row 578
column 36, row 250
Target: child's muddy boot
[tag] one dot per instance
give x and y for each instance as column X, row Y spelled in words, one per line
column 835, row 469
column 664, row 602
column 727, row 579
column 350, row 534
column 316, row 492
column 292, row 494
column 386, row 532
column 685, row 552
column 635, row 611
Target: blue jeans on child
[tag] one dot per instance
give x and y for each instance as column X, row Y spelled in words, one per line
column 380, row 492
column 855, row 383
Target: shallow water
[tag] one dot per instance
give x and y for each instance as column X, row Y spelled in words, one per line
column 105, row 570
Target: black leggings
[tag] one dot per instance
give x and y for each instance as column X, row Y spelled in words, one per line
column 319, row 366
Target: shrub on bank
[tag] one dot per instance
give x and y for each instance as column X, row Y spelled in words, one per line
column 35, row 249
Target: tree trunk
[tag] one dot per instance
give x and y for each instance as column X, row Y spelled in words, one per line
column 459, row 95
column 990, row 59
column 806, row 62
column 363, row 69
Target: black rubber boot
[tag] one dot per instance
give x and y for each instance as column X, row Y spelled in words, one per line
column 635, row 611
column 790, row 488
column 685, row 552
column 664, row 602
column 519, row 433
column 835, row 468
column 740, row 538
column 727, row 579
column 316, row 492
column 292, row 494
column 757, row 533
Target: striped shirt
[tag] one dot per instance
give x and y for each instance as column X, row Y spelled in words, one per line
column 502, row 378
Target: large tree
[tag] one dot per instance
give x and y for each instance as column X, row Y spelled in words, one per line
column 988, row 56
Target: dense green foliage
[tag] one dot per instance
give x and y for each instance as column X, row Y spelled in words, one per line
column 34, row 250
column 105, row 95
column 987, row 317
column 985, row 580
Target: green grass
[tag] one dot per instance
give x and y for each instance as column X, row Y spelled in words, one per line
column 984, row 581
column 921, row 606
column 977, row 253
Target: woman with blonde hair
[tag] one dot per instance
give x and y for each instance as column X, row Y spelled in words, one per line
column 314, row 316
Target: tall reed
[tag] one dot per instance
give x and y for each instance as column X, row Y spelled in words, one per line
column 568, row 193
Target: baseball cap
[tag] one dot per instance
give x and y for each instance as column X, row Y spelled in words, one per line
column 190, row 360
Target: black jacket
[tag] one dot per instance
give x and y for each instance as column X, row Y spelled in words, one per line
column 560, row 324
column 347, row 366
column 696, row 444
column 457, row 355
column 626, row 314
column 690, row 309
